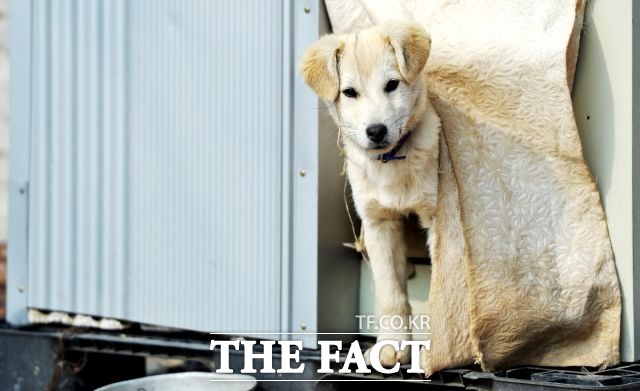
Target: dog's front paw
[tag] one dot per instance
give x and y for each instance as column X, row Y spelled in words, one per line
column 388, row 356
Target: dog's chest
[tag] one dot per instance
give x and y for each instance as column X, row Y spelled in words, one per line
column 403, row 186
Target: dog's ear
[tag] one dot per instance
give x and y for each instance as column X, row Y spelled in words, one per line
column 412, row 46
column 319, row 66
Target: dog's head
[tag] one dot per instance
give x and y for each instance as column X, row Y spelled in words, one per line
column 372, row 81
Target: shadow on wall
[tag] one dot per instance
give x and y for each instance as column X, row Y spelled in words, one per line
column 3, row 281
column 593, row 104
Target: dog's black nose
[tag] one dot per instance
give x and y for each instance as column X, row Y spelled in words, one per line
column 376, row 132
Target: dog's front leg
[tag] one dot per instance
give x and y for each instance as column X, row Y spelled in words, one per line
column 387, row 256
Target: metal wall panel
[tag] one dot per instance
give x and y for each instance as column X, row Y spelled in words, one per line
column 156, row 161
column 325, row 274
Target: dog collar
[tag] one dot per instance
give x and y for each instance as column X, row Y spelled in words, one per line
column 391, row 155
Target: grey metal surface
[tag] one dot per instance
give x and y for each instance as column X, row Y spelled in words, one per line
column 156, row 162
column 156, row 176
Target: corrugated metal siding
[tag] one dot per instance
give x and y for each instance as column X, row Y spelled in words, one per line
column 156, row 158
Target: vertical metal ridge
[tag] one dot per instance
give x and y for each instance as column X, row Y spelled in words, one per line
column 81, row 207
column 123, row 161
column 48, row 165
column 100, row 143
column 126, row 228
column 287, row 169
column 22, row 101
column 304, row 270
column 64, row 131
column 75, row 291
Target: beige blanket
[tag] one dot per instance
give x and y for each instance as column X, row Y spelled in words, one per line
column 523, row 271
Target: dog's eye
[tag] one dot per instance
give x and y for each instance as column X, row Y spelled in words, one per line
column 350, row 93
column 391, row 85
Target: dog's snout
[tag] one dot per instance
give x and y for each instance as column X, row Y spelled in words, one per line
column 376, row 132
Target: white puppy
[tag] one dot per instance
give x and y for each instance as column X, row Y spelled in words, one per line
column 374, row 85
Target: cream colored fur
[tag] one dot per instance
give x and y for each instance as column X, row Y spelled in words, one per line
column 383, row 193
